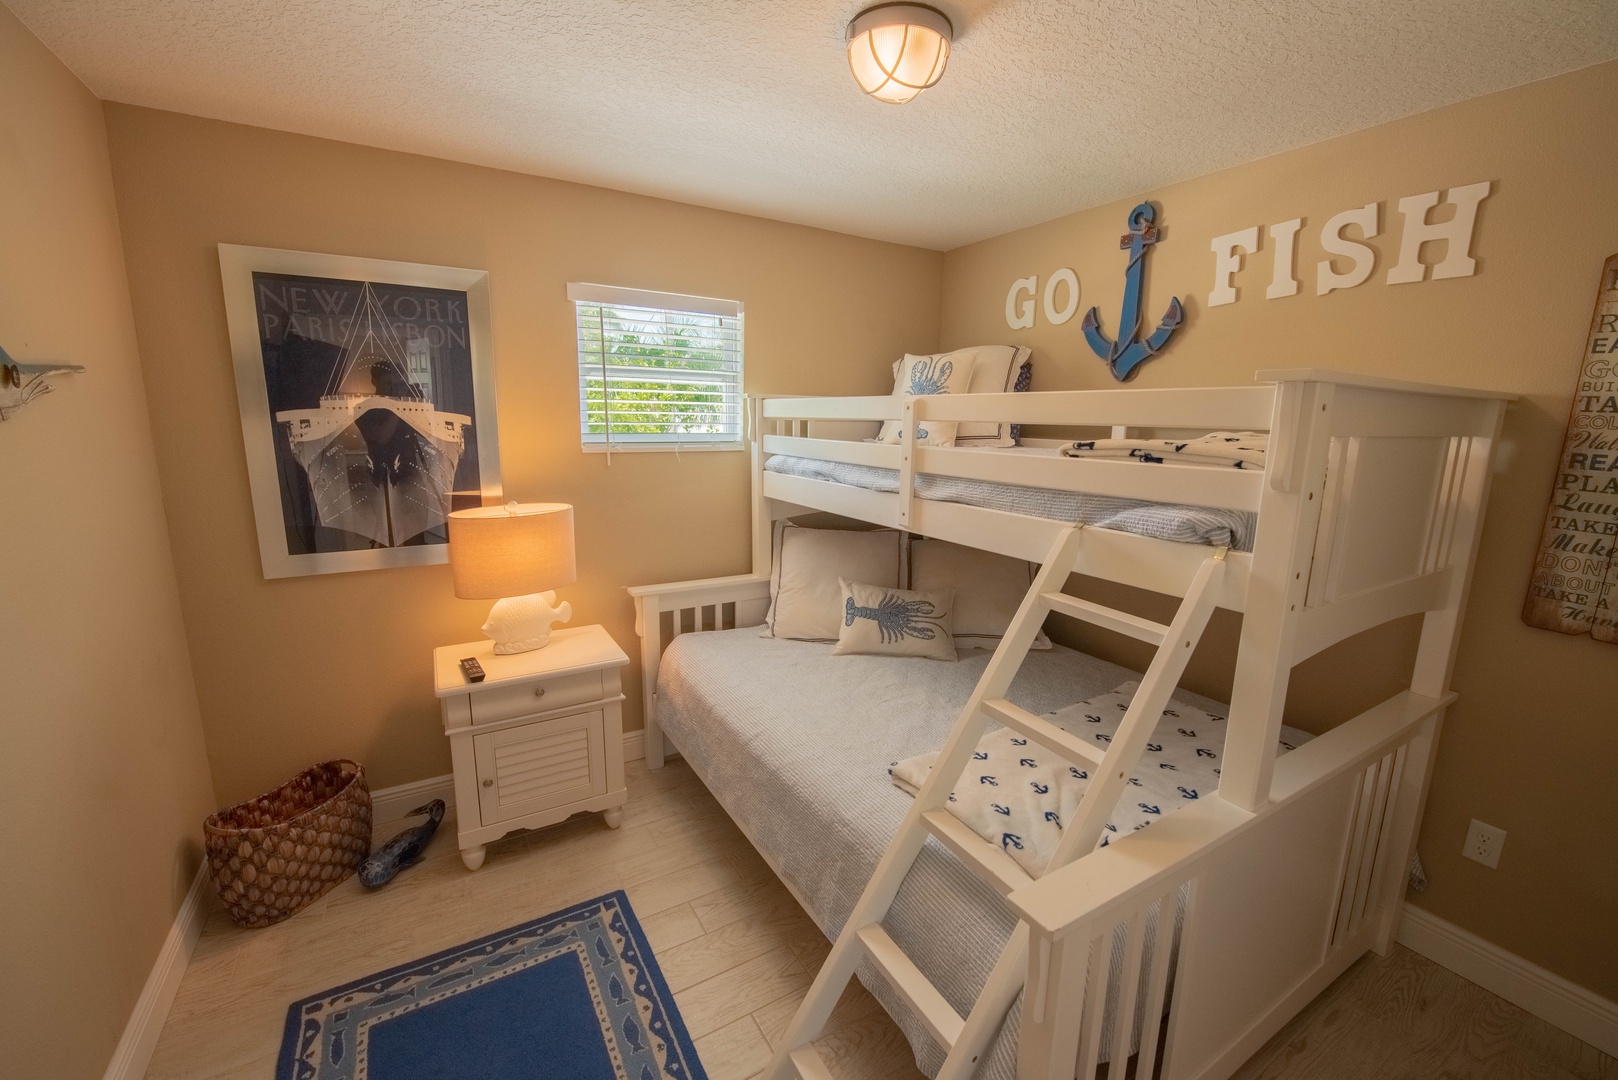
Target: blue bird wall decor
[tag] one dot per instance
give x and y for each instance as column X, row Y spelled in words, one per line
column 1125, row 355
column 403, row 850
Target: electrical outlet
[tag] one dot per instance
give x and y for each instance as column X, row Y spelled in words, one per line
column 1483, row 844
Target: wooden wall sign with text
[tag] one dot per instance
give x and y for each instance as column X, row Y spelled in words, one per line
column 1574, row 589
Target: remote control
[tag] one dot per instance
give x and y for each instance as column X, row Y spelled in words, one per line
column 472, row 669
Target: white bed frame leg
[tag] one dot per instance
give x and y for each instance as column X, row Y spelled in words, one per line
column 654, row 744
column 651, row 652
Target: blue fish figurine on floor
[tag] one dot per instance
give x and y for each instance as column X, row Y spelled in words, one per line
column 403, row 850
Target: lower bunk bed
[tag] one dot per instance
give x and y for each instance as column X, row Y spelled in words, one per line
column 797, row 744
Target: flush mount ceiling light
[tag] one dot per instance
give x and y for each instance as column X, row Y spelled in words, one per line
column 898, row 50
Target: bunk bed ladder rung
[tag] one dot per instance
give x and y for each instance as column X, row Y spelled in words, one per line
column 1107, row 618
column 806, row 1060
column 919, row 993
column 965, row 1038
column 993, row 865
column 1044, row 732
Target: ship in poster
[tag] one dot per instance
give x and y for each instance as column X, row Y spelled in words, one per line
column 380, row 456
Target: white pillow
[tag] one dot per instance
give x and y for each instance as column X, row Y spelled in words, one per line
column 805, row 591
column 995, row 370
column 928, row 375
column 892, row 622
column 988, row 589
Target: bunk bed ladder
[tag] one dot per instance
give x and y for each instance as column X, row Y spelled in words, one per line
column 863, row 937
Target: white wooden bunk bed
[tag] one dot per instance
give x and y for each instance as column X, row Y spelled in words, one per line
column 1369, row 510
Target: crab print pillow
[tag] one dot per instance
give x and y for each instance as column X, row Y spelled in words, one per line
column 895, row 622
column 921, row 376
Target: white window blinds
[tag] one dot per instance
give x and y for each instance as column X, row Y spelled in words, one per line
column 657, row 371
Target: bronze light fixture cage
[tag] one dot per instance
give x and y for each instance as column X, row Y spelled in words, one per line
column 895, row 51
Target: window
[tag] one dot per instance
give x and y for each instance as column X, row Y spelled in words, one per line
column 657, row 371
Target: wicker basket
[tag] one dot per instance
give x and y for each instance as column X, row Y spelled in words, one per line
column 273, row 855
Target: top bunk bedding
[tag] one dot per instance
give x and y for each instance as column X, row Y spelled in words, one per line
column 1162, row 521
column 796, row 743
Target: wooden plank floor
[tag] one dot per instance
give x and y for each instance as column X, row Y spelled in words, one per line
column 739, row 954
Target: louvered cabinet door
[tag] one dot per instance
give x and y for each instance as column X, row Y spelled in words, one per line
column 524, row 770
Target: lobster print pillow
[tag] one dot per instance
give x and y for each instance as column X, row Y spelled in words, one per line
column 880, row 621
column 996, row 369
column 920, row 376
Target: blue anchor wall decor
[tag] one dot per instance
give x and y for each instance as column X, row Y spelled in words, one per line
column 1125, row 355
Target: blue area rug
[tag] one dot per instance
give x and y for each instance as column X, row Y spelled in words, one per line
column 575, row 995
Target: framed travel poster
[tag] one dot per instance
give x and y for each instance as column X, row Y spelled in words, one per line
column 367, row 399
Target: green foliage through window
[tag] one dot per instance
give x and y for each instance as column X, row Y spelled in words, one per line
column 657, row 375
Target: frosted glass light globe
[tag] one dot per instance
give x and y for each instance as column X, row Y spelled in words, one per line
column 898, row 50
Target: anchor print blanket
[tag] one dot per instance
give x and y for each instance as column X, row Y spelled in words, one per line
column 1232, row 449
column 1016, row 794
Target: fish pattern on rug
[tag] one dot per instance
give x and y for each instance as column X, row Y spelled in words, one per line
column 585, row 975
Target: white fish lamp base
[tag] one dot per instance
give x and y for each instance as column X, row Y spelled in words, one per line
column 520, row 624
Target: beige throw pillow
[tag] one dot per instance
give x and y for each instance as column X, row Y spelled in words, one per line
column 995, row 370
column 805, row 593
column 922, row 376
column 894, row 622
column 988, row 589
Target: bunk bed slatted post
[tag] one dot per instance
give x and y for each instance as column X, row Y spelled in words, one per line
column 1434, row 666
column 1095, row 1006
column 1123, row 1025
column 1278, row 585
column 1045, row 1050
column 763, row 526
column 1157, row 986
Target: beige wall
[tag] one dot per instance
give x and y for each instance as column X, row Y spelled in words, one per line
column 295, row 670
column 1531, row 746
column 103, row 777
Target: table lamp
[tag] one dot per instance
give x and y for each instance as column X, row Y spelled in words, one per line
column 515, row 554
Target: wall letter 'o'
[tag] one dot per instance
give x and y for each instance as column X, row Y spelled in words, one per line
column 1071, row 280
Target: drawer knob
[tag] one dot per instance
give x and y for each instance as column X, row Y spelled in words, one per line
column 539, row 691
column 488, row 783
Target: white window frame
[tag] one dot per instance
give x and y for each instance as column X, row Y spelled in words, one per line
column 581, row 293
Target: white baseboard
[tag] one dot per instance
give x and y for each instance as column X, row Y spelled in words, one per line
column 391, row 805
column 634, row 745
column 145, row 1024
column 1547, row 995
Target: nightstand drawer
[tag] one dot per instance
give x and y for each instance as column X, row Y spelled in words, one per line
column 506, row 702
column 523, row 770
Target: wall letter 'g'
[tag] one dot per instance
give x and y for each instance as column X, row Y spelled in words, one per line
column 1020, row 315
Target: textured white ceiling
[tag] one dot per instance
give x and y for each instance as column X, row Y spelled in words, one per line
column 1047, row 107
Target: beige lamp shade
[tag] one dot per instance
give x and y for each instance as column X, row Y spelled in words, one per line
column 511, row 550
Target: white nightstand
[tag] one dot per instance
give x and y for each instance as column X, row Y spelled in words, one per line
column 539, row 739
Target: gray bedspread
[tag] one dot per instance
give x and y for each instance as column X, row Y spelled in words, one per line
column 1165, row 521
column 795, row 743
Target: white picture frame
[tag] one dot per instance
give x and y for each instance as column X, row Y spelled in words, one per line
column 402, row 431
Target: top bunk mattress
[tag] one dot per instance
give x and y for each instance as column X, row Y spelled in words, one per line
column 796, row 743
column 1162, row 521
